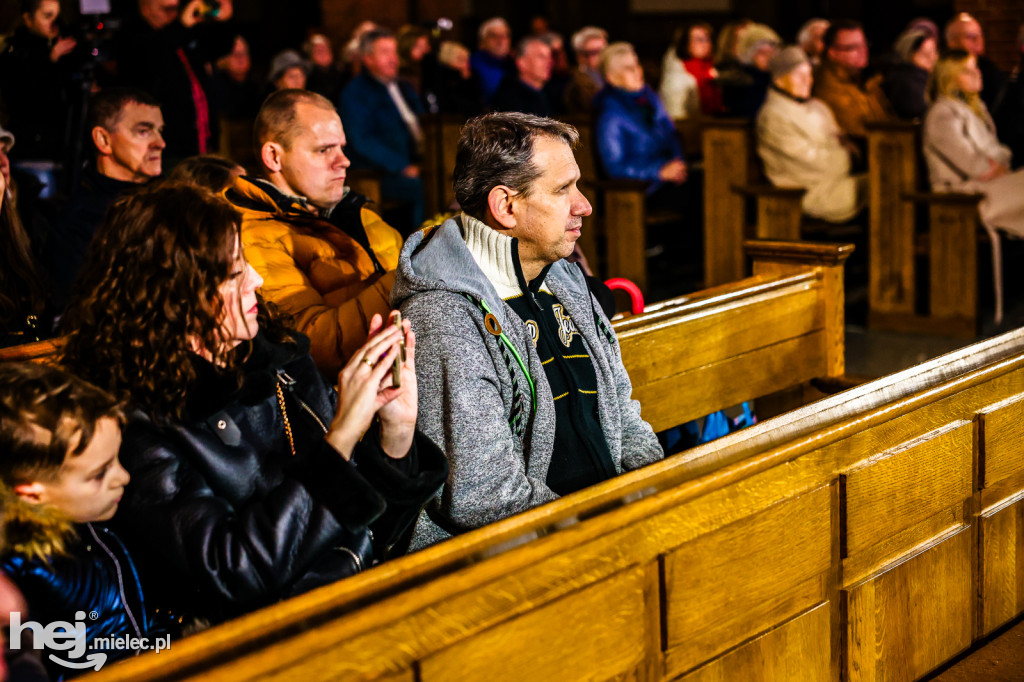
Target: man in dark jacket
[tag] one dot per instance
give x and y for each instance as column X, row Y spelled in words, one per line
column 167, row 51
column 126, row 128
column 380, row 112
column 525, row 90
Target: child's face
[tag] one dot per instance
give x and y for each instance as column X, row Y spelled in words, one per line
column 89, row 486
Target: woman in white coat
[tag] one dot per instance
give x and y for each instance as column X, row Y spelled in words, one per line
column 964, row 154
column 801, row 144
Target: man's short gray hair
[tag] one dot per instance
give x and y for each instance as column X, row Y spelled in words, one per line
column 497, row 149
column 370, row 38
column 580, row 37
column 523, row 44
column 803, row 36
column 490, row 25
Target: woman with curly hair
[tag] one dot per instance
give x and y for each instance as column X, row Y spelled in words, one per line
column 251, row 479
column 964, row 154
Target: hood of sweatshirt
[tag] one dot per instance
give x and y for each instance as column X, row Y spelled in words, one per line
column 438, row 258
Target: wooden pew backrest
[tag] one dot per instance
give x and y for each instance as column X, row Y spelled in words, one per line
column 38, row 351
column 950, row 304
column 742, row 341
column 870, row 536
column 732, row 177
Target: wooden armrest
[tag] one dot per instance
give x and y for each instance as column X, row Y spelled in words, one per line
column 34, row 351
column 813, row 253
column 963, row 198
column 769, row 190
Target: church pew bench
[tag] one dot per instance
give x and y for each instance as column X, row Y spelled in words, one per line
column 723, row 346
column 716, row 348
column 796, row 289
column 440, row 142
column 872, row 535
column 366, row 181
column 732, row 178
column 949, row 238
column 614, row 238
column 37, row 351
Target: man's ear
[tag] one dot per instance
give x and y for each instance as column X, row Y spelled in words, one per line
column 30, row 492
column 101, row 138
column 499, row 204
column 271, row 154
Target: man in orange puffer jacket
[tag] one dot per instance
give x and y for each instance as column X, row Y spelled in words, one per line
column 325, row 259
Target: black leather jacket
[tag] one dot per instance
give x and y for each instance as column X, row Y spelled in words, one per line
column 223, row 519
column 97, row 577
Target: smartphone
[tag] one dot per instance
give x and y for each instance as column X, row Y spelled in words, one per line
column 396, row 370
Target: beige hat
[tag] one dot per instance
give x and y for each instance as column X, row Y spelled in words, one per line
column 787, row 60
column 752, row 38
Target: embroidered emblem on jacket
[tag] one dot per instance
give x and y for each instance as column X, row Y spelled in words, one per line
column 533, row 331
column 566, row 327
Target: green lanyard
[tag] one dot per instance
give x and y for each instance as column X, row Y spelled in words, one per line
column 480, row 303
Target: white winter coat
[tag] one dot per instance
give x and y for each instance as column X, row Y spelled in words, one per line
column 799, row 143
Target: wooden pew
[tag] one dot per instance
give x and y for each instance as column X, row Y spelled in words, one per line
column 37, row 351
column 730, row 344
column 872, row 535
column 949, row 242
column 620, row 219
column 440, row 142
column 732, row 178
column 740, row 341
column 366, row 181
column 785, row 322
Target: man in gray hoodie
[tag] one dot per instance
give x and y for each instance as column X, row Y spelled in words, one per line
column 520, row 377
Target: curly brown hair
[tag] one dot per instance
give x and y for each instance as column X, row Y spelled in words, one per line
column 149, row 290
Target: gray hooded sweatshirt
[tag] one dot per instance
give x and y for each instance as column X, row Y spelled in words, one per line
column 474, row 398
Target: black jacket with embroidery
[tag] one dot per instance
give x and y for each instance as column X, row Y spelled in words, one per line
column 581, row 457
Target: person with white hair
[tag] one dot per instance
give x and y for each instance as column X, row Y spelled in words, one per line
column 801, row 145
column 586, row 82
column 636, row 138
column 745, row 85
column 810, row 39
column 492, row 61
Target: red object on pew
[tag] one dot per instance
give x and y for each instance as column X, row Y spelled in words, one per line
column 635, row 297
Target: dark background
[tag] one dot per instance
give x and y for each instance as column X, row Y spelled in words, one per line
column 272, row 25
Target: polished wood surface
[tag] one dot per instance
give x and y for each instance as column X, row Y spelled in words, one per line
column 949, row 304
column 37, row 351
column 760, row 554
column 366, row 182
column 732, row 177
column 718, row 348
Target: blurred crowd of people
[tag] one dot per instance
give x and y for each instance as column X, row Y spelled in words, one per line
column 189, row 228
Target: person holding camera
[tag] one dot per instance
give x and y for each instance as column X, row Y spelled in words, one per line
column 34, row 78
column 166, row 50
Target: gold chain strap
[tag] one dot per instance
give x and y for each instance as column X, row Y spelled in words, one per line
column 284, row 413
